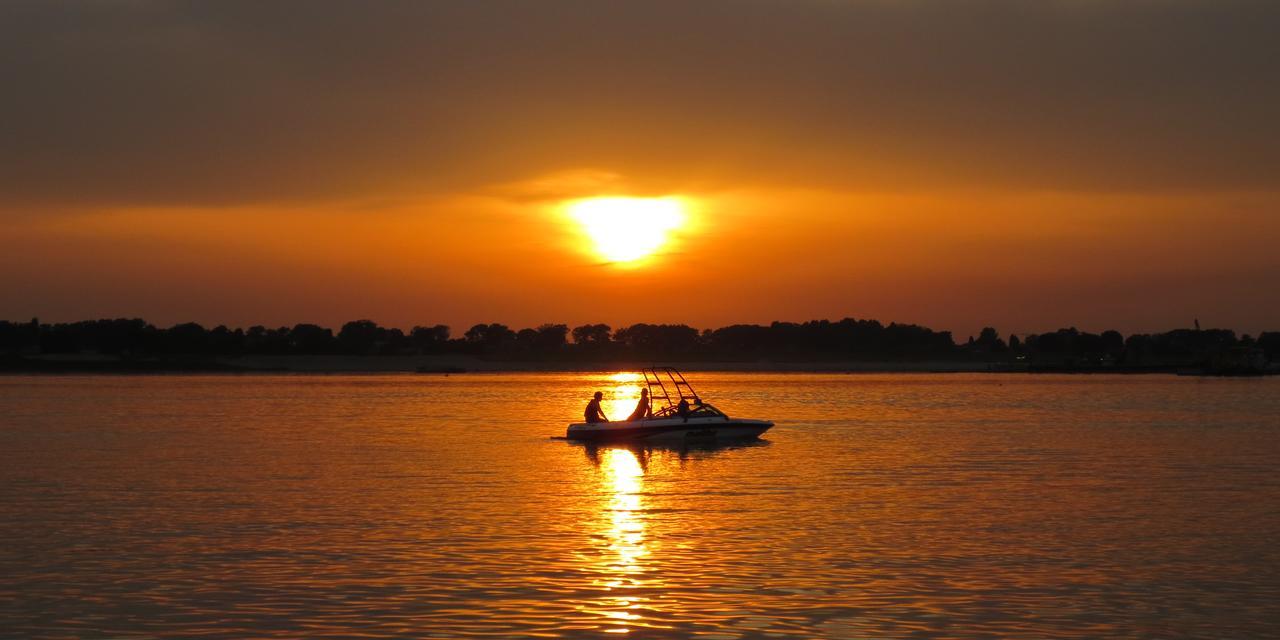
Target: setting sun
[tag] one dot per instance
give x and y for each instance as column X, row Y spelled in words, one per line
column 625, row 230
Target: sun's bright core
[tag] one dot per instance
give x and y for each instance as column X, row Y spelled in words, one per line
column 625, row 230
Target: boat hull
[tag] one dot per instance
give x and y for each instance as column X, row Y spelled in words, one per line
column 669, row 430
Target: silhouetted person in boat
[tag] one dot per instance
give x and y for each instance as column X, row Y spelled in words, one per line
column 593, row 414
column 642, row 407
column 682, row 409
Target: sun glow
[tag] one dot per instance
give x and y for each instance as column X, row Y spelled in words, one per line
column 626, row 230
column 621, row 399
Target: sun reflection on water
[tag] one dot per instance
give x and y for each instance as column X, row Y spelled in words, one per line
column 627, row 535
column 623, row 570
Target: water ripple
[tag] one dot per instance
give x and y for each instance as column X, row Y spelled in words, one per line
column 405, row 506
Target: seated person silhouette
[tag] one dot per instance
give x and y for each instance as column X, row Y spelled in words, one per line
column 642, row 407
column 593, row 414
column 682, row 409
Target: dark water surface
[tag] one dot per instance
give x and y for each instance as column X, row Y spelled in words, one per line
column 881, row 506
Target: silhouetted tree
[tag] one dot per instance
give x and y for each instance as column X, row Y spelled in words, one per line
column 1112, row 344
column 592, row 335
column 186, row 339
column 657, row 339
column 527, row 338
column 817, row 339
column 261, row 340
column 989, row 341
column 913, row 340
column 429, row 339
column 490, row 338
column 224, row 342
column 740, row 339
column 550, row 338
column 1269, row 342
column 392, row 342
column 1179, row 345
column 359, row 337
column 19, row 337
column 310, row 338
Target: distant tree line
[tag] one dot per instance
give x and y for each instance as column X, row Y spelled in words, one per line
column 816, row 340
column 1072, row 346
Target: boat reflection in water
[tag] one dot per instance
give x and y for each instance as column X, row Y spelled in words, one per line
column 629, row 552
column 681, row 452
column 633, row 535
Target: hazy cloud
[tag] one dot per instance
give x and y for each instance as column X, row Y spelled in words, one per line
column 201, row 103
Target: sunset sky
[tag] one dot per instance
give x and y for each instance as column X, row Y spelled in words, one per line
column 1028, row 165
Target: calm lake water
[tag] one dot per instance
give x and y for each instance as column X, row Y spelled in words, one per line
column 881, row 506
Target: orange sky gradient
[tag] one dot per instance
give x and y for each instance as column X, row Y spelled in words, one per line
column 1103, row 164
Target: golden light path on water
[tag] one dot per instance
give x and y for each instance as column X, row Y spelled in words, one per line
column 623, row 569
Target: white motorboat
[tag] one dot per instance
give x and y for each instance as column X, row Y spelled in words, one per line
column 677, row 415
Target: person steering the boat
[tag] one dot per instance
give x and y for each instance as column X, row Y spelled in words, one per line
column 594, row 414
column 642, row 408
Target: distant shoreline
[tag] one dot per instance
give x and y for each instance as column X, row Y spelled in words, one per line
column 440, row 365
column 132, row 346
